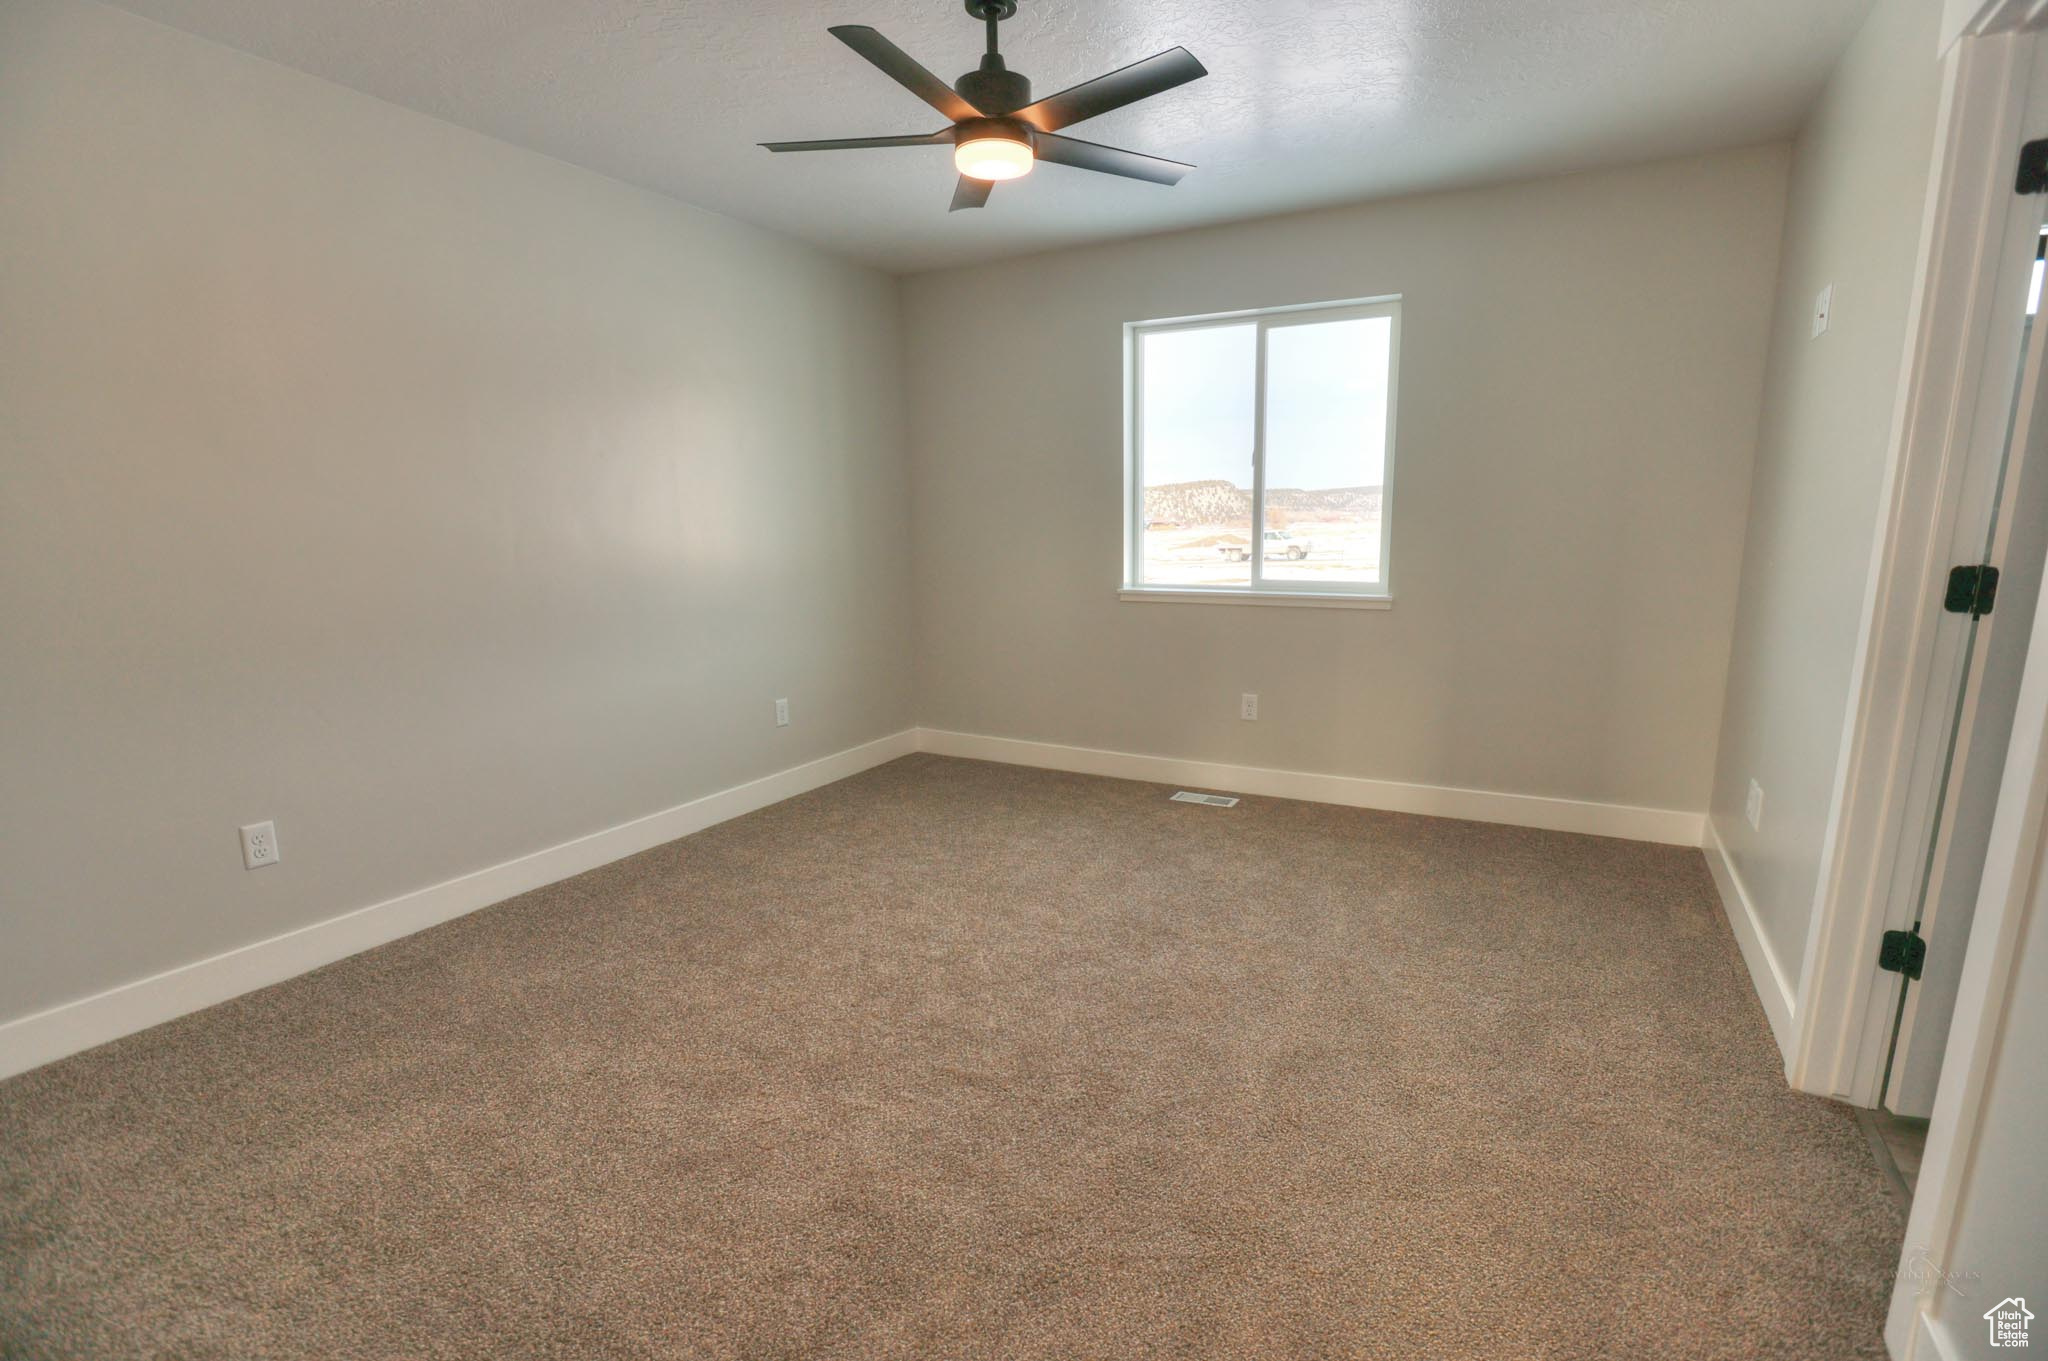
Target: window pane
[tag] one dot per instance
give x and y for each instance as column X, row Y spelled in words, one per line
column 1196, row 413
column 1326, row 450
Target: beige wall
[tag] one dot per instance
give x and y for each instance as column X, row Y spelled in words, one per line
column 433, row 498
column 1853, row 219
column 1580, row 374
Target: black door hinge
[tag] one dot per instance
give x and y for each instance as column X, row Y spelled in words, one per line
column 1902, row 952
column 2033, row 176
column 1971, row 590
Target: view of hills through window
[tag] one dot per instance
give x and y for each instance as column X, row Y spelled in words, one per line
column 1324, row 449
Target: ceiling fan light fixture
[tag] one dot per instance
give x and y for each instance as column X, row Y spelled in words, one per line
column 993, row 154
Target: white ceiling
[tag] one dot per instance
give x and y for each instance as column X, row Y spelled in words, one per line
column 1308, row 102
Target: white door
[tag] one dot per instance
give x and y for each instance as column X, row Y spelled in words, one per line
column 1991, row 651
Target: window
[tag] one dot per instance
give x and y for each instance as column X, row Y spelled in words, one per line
column 1283, row 419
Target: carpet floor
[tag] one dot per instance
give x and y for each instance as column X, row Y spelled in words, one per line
column 964, row 1060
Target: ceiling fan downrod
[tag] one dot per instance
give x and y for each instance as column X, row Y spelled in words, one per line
column 993, row 87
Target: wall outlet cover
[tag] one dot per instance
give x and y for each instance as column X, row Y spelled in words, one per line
column 1753, row 806
column 1248, row 706
column 259, row 845
column 1823, row 304
column 781, row 713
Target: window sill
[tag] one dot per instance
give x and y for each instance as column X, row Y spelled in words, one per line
column 1324, row 600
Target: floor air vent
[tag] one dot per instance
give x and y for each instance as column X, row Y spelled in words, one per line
column 1213, row 800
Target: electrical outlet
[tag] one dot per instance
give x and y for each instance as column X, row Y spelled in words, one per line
column 1753, row 806
column 1248, row 706
column 259, row 845
column 1823, row 304
column 781, row 713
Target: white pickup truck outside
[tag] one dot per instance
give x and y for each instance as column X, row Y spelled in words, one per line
column 1279, row 544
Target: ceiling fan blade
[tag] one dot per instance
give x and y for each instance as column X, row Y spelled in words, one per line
column 902, row 68
column 970, row 193
column 1107, row 159
column 1139, row 80
column 859, row 143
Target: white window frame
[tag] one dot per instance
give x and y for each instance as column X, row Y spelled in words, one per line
column 1339, row 595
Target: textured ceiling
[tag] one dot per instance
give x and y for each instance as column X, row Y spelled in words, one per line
column 1308, row 102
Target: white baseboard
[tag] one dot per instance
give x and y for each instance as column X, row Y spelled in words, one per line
column 31, row 1041
column 1665, row 825
column 1773, row 989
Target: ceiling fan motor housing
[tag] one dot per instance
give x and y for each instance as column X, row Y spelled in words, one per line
column 1004, row 129
column 994, row 88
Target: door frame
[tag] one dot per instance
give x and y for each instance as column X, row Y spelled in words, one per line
column 2011, row 512
column 1918, row 1325
column 1956, row 387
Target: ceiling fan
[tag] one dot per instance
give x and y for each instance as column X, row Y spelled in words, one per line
column 997, row 132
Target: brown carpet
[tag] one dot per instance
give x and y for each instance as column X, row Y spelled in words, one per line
column 955, row 1059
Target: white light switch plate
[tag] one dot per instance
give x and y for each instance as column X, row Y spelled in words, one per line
column 1823, row 303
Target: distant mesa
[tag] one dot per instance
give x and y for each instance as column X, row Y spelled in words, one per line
column 1179, row 505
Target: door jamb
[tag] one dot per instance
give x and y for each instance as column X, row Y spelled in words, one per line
column 1979, row 1053
column 1879, row 820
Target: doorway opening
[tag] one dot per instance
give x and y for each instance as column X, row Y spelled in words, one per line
column 2000, row 543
